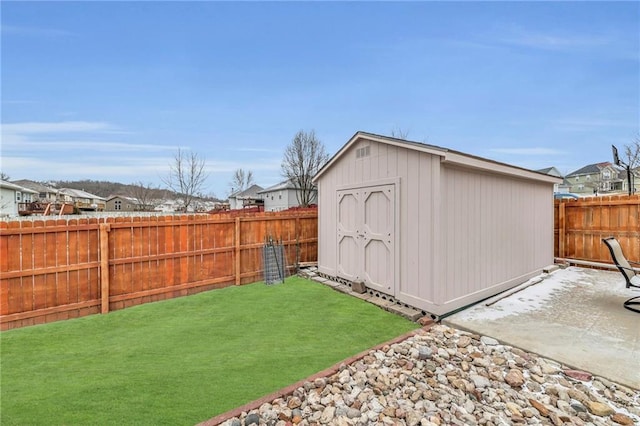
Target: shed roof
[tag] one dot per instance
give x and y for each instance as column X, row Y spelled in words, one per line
column 447, row 156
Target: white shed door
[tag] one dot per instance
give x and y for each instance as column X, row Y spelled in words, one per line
column 366, row 236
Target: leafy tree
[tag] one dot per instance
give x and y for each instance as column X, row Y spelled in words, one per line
column 186, row 176
column 241, row 180
column 303, row 157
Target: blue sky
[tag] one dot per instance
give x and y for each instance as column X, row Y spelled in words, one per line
column 110, row 90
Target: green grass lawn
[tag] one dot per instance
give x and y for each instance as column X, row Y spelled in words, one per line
column 182, row 361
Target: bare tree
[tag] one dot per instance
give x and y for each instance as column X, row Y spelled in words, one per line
column 186, row 176
column 4, row 176
column 143, row 194
column 632, row 152
column 241, row 180
column 302, row 159
column 399, row 133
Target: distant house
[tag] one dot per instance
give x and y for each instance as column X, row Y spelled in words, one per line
column 82, row 200
column 12, row 195
column 46, row 194
column 121, row 203
column 598, row 178
column 245, row 198
column 282, row 196
column 552, row 171
column 166, row 206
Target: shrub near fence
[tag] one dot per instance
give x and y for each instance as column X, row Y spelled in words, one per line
column 580, row 226
column 65, row 268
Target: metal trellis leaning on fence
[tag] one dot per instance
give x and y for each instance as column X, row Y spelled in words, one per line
column 274, row 261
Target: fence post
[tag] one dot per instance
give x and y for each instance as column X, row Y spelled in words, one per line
column 562, row 231
column 104, row 267
column 237, row 250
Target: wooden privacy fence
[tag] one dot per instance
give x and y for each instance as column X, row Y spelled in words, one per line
column 59, row 269
column 580, row 226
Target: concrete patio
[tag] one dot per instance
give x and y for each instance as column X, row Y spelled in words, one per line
column 573, row 315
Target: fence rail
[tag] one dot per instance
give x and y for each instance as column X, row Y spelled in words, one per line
column 64, row 268
column 580, row 226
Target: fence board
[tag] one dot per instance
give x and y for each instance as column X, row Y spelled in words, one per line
column 581, row 225
column 50, row 269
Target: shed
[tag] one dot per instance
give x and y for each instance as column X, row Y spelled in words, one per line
column 430, row 227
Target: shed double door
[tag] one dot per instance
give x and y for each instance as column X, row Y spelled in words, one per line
column 366, row 236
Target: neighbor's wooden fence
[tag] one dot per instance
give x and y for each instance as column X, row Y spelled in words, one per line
column 580, row 226
column 59, row 269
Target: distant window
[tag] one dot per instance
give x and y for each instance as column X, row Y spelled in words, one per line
column 606, row 174
column 577, row 178
column 280, row 196
column 118, row 205
column 588, row 177
column 18, row 195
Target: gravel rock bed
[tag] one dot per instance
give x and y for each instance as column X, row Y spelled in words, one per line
column 446, row 376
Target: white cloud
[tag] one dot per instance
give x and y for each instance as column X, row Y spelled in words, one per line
column 54, row 136
column 55, row 127
column 527, row 151
column 21, row 143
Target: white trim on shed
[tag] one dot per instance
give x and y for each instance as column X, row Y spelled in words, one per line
column 431, row 227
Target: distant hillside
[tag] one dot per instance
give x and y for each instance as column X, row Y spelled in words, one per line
column 105, row 189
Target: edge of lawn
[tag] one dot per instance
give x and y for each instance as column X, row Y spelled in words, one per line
column 288, row 390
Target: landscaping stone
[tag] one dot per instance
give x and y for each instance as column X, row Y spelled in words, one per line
column 358, row 287
column 449, row 377
column 252, row 419
column 578, row 375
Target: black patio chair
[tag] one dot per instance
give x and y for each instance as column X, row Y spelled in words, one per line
column 631, row 276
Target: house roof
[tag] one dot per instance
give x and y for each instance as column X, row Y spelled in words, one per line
column 285, row 184
column 130, row 199
column 448, row 156
column 552, row 171
column 80, row 193
column 247, row 193
column 15, row 187
column 36, row 186
column 590, row 169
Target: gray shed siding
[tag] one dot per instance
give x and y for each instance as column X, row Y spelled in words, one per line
column 462, row 233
